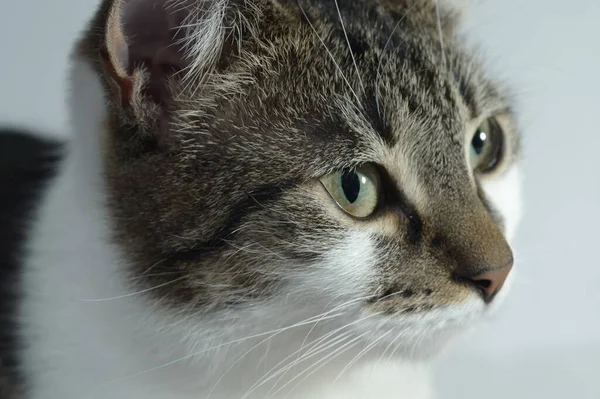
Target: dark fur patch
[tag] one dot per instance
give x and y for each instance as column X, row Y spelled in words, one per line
column 26, row 165
column 260, row 197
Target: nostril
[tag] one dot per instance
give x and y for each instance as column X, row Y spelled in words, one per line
column 483, row 285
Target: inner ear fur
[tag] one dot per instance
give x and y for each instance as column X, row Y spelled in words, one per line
column 144, row 48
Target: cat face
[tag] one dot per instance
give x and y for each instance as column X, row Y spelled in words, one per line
column 276, row 160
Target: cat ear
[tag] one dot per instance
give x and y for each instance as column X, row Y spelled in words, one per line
column 150, row 42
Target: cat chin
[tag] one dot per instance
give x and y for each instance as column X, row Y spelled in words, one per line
column 421, row 337
column 433, row 333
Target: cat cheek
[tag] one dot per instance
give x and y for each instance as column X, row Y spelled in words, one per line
column 349, row 268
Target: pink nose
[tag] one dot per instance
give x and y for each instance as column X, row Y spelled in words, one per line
column 488, row 283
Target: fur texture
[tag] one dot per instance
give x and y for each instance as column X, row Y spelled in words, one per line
column 202, row 258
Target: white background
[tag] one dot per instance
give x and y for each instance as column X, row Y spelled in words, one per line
column 545, row 343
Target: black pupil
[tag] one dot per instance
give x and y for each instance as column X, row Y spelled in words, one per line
column 351, row 186
column 478, row 142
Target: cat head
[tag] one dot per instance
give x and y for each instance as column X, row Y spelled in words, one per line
column 276, row 159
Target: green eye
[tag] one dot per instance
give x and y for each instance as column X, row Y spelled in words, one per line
column 486, row 146
column 356, row 191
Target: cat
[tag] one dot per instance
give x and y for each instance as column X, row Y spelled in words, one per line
column 267, row 199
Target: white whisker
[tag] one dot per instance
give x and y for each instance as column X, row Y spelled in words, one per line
column 324, row 316
column 312, row 347
column 440, row 33
column 133, row 293
column 321, row 363
column 324, row 347
column 358, row 102
column 197, row 353
column 385, row 46
column 349, row 46
column 360, row 355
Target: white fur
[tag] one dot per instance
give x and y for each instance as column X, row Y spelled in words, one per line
column 505, row 194
column 87, row 336
column 205, row 30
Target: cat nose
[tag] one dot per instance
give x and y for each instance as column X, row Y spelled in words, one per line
column 488, row 283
